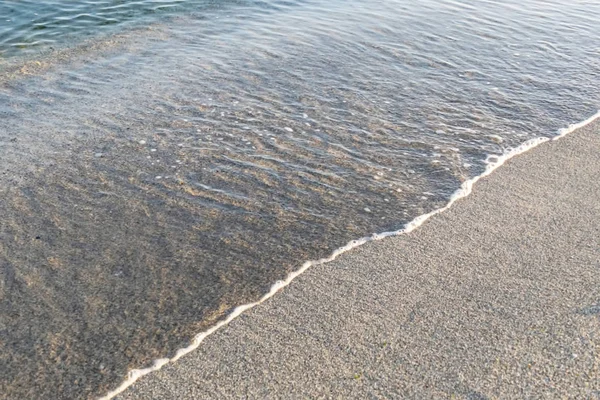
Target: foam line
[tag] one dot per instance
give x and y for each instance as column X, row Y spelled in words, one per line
column 571, row 128
column 492, row 163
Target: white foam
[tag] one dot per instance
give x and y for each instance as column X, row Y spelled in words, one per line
column 492, row 162
column 571, row 128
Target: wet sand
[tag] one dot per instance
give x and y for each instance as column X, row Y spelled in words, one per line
column 498, row 297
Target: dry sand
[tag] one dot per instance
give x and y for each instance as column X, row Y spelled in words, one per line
column 498, row 297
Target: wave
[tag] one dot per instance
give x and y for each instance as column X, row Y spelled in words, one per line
column 492, row 163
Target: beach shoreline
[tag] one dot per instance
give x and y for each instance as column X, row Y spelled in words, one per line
column 169, row 166
column 473, row 301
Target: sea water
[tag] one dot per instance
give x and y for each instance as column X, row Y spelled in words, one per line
column 163, row 162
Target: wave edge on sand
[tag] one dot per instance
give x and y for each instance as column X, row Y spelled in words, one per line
column 492, row 163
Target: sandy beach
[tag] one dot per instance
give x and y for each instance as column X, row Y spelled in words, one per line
column 495, row 298
column 168, row 165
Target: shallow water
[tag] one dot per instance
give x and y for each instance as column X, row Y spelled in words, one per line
column 27, row 26
column 158, row 171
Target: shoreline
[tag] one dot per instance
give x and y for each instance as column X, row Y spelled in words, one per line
column 166, row 168
column 463, row 192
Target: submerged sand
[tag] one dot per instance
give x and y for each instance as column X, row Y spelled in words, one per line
column 498, row 297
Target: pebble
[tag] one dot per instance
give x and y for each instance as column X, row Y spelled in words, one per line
column 496, row 139
column 98, row 155
column 142, row 142
column 159, row 177
column 153, row 150
column 288, row 129
column 367, row 209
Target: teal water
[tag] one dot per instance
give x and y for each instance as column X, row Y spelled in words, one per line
column 28, row 26
column 158, row 169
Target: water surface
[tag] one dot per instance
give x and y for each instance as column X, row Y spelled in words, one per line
column 158, row 171
column 27, row 26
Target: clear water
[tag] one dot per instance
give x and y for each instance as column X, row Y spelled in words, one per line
column 32, row 25
column 158, row 169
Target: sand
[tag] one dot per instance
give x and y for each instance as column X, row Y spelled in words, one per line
column 498, row 297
